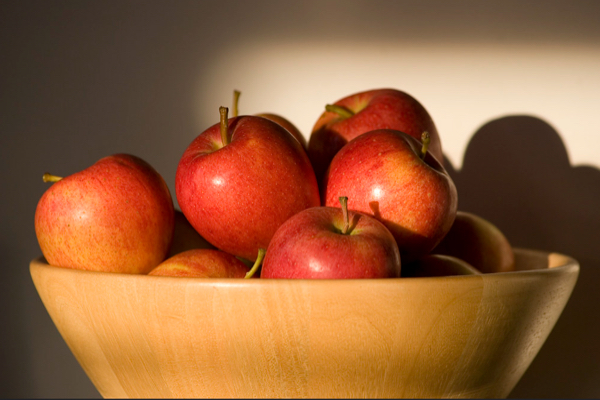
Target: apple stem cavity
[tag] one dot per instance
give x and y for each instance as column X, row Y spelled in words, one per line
column 344, row 203
column 339, row 110
column 51, row 178
column 425, row 139
column 257, row 263
column 224, row 128
column 236, row 100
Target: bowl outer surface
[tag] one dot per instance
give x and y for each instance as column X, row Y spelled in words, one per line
column 460, row 336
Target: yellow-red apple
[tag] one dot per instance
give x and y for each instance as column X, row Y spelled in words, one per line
column 114, row 216
column 201, row 263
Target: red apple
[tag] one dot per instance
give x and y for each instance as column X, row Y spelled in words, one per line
column 362, row 112
column 478, row 242
column 185, row 237
column 240, row 180
column 278, row 119
column 114, row 216
column 390, row 175
column 431, row 265
column 331, row 243
column 202, row 263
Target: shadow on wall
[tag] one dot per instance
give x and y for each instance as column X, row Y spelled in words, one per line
column 516, row 173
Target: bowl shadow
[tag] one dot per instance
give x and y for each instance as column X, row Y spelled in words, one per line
column 517, row 174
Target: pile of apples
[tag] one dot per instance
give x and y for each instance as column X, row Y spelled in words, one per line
column 366, row 197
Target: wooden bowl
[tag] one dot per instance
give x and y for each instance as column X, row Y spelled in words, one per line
column 456, row 336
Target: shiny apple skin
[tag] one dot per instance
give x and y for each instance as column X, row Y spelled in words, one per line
column 382, row 175
column 114, row 216
column 201, row 263
column 374, row 109
column 310, row 245
column 478, row 242
column 238, row 195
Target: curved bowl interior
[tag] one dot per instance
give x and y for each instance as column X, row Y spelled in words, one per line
column 459, row 336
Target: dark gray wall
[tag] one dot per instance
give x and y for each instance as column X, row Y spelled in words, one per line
column 82, row 80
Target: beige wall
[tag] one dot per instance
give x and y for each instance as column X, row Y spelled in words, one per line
column 513, row 87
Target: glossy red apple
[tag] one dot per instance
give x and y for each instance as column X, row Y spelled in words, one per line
column 390, row 175
column 240, row 180
column 185, row 237
column 114, row 216
column 202, row 263
column 362, row 112
column 291, row 128
column 331, row 243
column 478, row 242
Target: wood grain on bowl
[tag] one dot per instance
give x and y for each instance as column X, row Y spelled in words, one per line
column 457, row 336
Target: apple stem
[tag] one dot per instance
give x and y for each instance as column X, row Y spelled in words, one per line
column 51, row 178
column 236, row 99
column 257, row 263
column 339, row 110
column 425, row 139
column 224, row 128
column 344, row 203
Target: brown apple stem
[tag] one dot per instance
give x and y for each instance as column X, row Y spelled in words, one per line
column 224, row 128
column 344, row 203
column 51, row 178
column 236, row 100
column 425, row 139
column 339, row 110
column 257, row 263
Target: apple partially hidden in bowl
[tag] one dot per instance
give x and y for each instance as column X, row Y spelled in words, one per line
column 332, row 243
column 205, row 263
column 478, row 242
column 438, row 265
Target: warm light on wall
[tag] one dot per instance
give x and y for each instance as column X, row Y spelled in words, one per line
column 463, row 86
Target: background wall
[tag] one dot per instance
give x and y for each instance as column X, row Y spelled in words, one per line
column 513, row 87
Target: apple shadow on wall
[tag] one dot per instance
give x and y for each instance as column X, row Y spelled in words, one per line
column 516, row 173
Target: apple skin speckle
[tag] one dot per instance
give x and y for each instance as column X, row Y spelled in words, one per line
column 115, row 216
